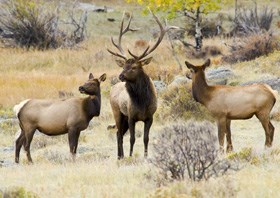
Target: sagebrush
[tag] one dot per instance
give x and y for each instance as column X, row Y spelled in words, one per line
column 32, row 24
column 177, row 103
column 189, row 151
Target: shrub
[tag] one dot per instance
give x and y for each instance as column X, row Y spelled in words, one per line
column 33, row 24
column 204, row 52
column 249, row 21
column 178, row 103
column 190, row 149
column 251, row 47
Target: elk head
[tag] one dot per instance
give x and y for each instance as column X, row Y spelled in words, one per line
column 132, row 67
column 195, row 70
column 92, row 86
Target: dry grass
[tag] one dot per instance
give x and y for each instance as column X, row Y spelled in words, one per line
column 96, row 172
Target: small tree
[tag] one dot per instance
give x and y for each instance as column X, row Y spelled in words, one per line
column 189, row 149
column 192, row 9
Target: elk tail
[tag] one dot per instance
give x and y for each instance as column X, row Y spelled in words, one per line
column 19, row 106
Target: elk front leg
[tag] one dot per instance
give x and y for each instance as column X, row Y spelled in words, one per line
column 148, row 124
column 221, row 133
column 228, row 136
column 131, row 124
column 73, row 137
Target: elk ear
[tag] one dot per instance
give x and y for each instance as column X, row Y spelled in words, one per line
column 120, row 62
column 206, row 64
column 102, row 78
column 90, row 76
column 146, row 61
column 190, row 66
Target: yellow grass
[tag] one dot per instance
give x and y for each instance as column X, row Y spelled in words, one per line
column 97, row 172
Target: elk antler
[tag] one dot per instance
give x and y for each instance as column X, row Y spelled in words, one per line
column 122, row 32
column 149, row 50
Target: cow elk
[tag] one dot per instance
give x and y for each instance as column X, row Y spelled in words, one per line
column 134, row 99
column 228, row 103
column 57, row 117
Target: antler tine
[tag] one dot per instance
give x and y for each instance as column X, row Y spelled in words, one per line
column 163, row 30
column 116, row 54
column 122, row 32
column 139, row 57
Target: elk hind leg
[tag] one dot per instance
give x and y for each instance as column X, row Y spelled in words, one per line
column 148, row 124
column 18, row 144
column 271, row 128
column 268, row 128
column 28, row 138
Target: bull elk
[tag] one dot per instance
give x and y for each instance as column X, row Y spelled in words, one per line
column 228, row 103
column 57, row 117
column 134, row 99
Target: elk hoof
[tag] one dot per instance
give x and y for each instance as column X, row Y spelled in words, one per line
column 229, row 149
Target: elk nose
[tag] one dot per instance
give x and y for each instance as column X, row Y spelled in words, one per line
column 81, row 89
column 121, row 77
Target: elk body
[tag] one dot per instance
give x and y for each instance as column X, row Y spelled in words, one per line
column 57, row 117
column 134, row 99
column 228, row 103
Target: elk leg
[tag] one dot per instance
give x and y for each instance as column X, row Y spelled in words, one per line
column 73, row 137
column 264, row 119
column 148, row 124
column 271, row 131
column 28, row 139
column 131, row 124
column 120, row 144
column 228, row 136
column 122, row 128
column 19, row 142
column 222, row 128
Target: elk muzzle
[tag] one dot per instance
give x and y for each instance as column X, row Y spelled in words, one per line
column 82, row 89
column 121, row 77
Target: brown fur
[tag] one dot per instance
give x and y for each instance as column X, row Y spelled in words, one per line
column 57, row 117
column 135, row 99
column 131, row 101
column 228, row 103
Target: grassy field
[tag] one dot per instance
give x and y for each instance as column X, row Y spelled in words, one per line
column 96, row 171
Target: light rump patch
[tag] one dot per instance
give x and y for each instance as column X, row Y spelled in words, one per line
column 19, row 106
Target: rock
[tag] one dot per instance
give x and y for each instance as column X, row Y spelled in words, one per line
column 94, row 8
column 160, row 85
column 218, row 82
column 114, row 80
column 219, row 73
column 273, row 82
column 178, row 80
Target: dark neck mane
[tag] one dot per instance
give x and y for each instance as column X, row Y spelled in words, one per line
column 92, row 105
column 140, row 91
column 200, row 88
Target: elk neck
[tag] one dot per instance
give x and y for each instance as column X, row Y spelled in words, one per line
column 200, row 89
column 140, row 90
column 92, row 105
